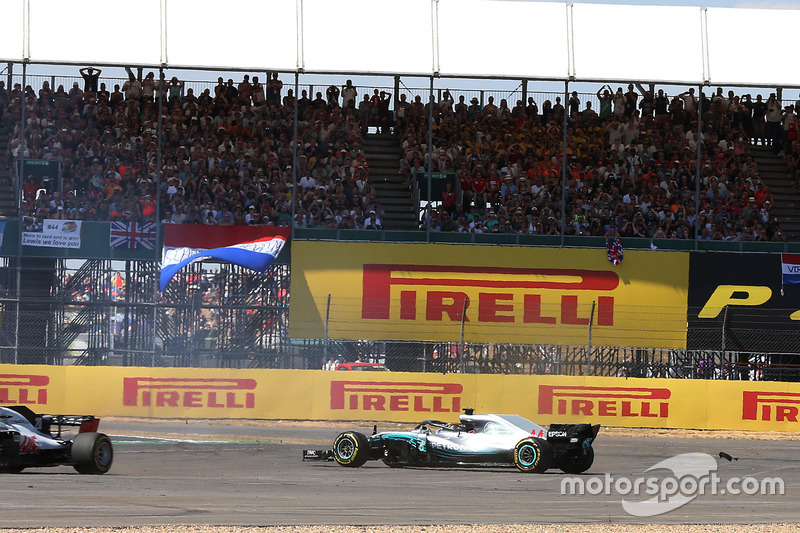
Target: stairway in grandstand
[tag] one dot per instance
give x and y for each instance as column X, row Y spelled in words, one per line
column 8, row 204
column 36, row 318
column 382, row 151
column 774, row 174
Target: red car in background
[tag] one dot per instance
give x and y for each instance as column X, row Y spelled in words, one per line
column 367, row 367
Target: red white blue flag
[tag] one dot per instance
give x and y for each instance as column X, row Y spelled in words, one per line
column 132, row 235
column 614, row 250
column 790, row 268
column 255, row 248
column 117, row 286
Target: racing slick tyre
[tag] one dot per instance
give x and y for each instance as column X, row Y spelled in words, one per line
column 11, row 469
column 92, row 453
column 576, row 464
column 351, row 449
column 533, row 455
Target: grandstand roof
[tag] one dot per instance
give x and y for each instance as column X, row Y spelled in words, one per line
column 447, row 38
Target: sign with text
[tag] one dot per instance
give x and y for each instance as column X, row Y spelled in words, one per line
column 55, row 234
column 24, row 388
column 437, row 181
column 400, row 396
column 740, row 302
column 43, row 172
column 426, row 292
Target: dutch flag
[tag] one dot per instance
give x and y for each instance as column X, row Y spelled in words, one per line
column 256, row 255
column 790, row 268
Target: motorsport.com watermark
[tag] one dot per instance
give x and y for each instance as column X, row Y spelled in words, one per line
column 693, row 475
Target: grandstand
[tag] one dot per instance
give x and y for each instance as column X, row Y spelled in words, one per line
column 633, row 169
column 650, row 161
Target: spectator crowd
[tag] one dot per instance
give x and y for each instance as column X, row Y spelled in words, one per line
column 227, row 157
column 631, row 165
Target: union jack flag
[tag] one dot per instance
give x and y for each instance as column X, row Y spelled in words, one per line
column 132, row 235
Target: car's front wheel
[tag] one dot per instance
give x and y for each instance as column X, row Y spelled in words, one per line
column 533, row 455
column 351, row 449
column 92, row 453
column 576, row 464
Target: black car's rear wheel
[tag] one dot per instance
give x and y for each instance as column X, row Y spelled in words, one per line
column 576, row 464
column 92, row 453
column 351, row 449
column 533, row 455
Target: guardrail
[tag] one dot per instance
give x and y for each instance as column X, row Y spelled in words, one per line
column 97, row 246
column 543, row 240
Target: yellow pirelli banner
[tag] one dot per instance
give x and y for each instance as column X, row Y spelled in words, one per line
column 399, row 396
column 499, row 294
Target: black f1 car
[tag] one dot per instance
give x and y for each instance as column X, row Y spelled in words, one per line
column 487, row 438
column 28, row 439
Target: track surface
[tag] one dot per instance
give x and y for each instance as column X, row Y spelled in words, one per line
column 216, row 474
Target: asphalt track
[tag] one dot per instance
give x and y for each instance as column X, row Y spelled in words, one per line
column 206, row 473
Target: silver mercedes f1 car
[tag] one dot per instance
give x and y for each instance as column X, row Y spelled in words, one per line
column 28, row 440
column 476, row 438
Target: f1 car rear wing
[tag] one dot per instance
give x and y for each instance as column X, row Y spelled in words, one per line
column 45, row 423
column 574, row 435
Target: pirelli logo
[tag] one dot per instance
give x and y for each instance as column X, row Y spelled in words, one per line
column 770, row 406
column 23, row 389
column 189, row 392
column 504, row 295
column 604, row 401
column 418, row 397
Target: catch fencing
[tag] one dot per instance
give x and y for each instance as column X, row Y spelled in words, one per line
column 522, row 91
column 102, row 312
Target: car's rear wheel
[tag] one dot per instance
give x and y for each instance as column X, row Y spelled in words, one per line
column 11, row 469
column 533, row 455
column 351, row 449
column 576, row 464
column 92, row 453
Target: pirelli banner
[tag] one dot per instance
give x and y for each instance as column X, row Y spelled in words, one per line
column 399, row 397
column 521, row 295
column 744, row 302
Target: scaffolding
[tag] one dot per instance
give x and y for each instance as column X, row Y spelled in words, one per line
column 102, row 312
column 106, row 312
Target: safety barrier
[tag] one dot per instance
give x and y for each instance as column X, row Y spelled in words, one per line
column 399, row 397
